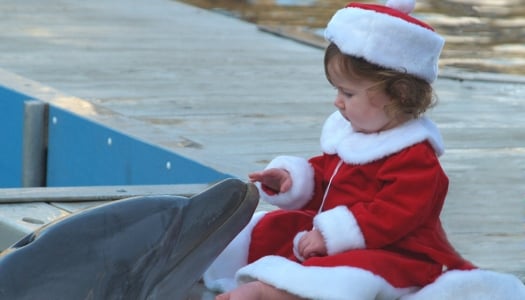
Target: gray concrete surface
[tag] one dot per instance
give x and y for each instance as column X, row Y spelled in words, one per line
column 219, row 91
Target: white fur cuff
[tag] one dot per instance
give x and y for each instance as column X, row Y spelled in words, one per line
column 340, row 230
column 296, row 240
column 302, row 188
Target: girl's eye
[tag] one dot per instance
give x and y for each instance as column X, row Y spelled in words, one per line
column 345, row 93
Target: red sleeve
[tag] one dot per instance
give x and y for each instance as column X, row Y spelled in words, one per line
column 412, row 190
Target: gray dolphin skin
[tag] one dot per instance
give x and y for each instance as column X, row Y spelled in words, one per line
column 152, row 247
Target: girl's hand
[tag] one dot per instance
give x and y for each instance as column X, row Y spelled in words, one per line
column 312, row 244
column 276, row 180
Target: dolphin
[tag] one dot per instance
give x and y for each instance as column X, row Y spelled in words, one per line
column 150, row 247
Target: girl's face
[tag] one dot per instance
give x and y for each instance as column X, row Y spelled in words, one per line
column 359, row 103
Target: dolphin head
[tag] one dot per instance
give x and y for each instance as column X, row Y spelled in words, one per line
column 151, row 247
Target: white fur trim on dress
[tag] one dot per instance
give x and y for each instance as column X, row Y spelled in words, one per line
column 349, row 283
column 302, row 188
column 340, row 230
column 220, row 276
column 327, row 283
column 386, row 41
column 472, row 285
column 353, row 147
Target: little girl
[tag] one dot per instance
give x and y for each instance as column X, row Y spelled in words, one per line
column 361, row 221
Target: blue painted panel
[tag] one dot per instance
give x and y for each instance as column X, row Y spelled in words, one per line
column 81, row 152
column 11, row 135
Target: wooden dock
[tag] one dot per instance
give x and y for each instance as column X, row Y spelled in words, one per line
column 221, row 92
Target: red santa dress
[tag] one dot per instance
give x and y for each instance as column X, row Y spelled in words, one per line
column 376, row 199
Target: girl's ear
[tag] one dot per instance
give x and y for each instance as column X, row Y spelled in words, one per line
column 400, row 90
column 401, row 93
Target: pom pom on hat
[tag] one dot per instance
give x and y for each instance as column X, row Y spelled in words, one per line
column 387, row 36
column 405, row 6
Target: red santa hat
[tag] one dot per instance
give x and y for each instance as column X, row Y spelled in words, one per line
column 387, row 36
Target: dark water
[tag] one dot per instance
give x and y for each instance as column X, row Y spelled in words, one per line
column 481, row 35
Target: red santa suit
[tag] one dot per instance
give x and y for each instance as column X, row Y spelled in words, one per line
column 376, row 199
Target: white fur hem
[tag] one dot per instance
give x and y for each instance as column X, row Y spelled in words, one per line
column 340, row 230
column 472, row 285
column 220, row 276
column 302, row 188
column 348, row 283
column 345, row 283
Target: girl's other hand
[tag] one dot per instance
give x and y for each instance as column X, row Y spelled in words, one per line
column 312, row 244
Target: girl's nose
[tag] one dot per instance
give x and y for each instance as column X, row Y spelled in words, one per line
column 338, row 102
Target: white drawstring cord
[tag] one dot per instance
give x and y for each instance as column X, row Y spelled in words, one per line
column 300, row 234
column 329, row 184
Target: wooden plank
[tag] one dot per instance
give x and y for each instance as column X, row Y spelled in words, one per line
column 24, row 210
column 94, row 193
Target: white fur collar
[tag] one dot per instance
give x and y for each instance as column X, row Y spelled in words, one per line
column 339, row 138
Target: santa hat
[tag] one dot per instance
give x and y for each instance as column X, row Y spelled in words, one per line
column 387, row 36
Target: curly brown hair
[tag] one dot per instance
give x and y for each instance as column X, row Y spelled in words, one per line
column 411, row 96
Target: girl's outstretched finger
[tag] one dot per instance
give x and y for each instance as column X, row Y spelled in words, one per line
column 255, row 176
